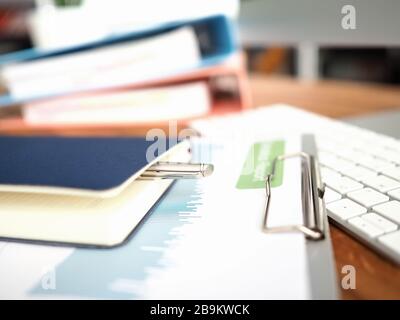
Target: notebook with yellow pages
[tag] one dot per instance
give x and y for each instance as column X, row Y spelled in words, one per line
column 79, row 191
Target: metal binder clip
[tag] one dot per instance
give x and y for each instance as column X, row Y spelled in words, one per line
column 312, row 199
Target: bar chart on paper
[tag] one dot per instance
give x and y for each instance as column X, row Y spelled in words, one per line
column 117, row 273
column 120, row 273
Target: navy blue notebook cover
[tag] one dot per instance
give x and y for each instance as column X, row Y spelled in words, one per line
column 80, row 163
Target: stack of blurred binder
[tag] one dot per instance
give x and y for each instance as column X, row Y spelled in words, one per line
column 132, row 81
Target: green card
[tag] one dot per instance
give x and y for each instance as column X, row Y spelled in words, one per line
column 258, row 165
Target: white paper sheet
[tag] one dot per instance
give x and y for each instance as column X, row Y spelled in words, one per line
column 204, row 240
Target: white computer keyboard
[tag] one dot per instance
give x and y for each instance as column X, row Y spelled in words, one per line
column 361, row 171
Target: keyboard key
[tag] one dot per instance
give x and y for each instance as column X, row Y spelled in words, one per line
column 380, row 222
column 327, row 159
column 345, row 209
column 327, row 173
column 352, row 155
column 392, row 155
column 392, row 172
column 332, row 161
column 381, row 183
column 390, row 210
column 365, row 227
column 328, row 145
column 343, row 185
column 330, row 195
column 374, row 150
column 373, row 163
column 389, row 143
column 368, row 197
column 395, row 194
column 357, row 172
column 392, row 241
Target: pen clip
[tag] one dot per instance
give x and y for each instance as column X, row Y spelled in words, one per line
column 177, row 170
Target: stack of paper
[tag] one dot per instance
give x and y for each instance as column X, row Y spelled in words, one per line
column 133, row 106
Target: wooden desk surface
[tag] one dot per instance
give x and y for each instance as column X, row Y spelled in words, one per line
column 376, row 278
column 334, row 99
